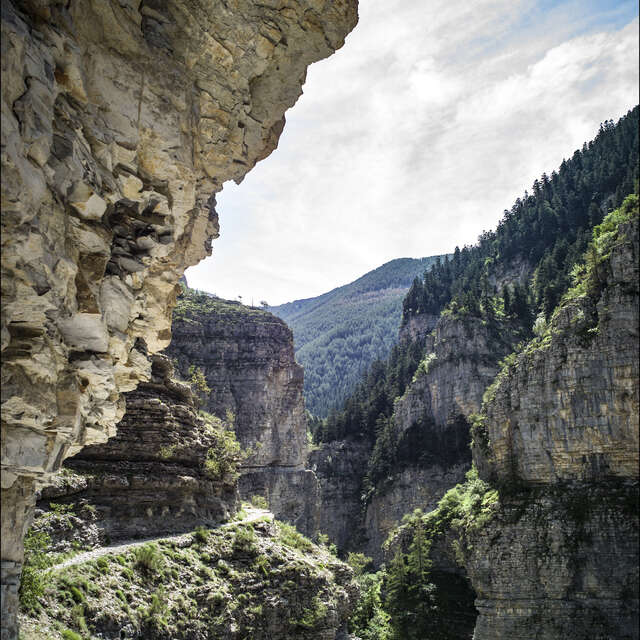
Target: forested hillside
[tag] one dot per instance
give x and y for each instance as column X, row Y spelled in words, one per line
column 548, row 229
column 340, row 333
column 545, row 233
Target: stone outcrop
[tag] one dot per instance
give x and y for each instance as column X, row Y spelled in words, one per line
column 567, row 407
column 246, row 356
column 562, row 562
column 431, row 418
column 151, row 478
column 559, row 433
column 461, row 359
column 121, row 121
column 412, row 488
column 417, row 327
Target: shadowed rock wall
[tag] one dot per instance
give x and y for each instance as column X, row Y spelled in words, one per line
column 247, row 358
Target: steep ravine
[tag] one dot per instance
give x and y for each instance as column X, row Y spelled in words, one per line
column 174, row 469
column 120, row 123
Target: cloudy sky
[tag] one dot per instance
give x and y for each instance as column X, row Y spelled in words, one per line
column 417, row 134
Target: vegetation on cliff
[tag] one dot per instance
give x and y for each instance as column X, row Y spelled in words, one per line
column 191, row 305
column 258, row 579
column 407, row 599
column 339, row 334
column 547, row 229
column 510, row 282
column 467, row 512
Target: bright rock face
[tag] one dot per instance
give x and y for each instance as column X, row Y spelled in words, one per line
column 120, row 121
column 561, row 437
column 568, row 409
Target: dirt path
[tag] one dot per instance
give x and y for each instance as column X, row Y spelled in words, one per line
column 252, row 514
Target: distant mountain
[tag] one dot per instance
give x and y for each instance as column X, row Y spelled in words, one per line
column 340, row 333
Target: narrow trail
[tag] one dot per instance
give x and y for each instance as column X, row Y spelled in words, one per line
column 252, row 514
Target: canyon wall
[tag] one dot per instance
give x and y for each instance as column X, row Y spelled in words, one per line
column 430, row 419
column 121, row 121
column 559, row 435
column 152, row 478
column 246, row 356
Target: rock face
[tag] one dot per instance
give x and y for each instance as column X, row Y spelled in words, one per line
column 247, row 358
column 431, row 418
column 561, row 427
column 563, row 563
column 120, row 122
column 412, row 488
column 151, row 478
column 567, row 408
column 461, row 359
column 418, row 327
column 340, row 467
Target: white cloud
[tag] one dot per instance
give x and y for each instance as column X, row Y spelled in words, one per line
column 416, row 135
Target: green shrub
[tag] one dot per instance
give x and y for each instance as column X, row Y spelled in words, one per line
column 201, row 535
column 148, row 558
column 244, row 539
column 224, row 456
column 312, row 616
column 167, row 451
column 359, row 563
column 77, row 595
column 33, row 579
column 103, row 565
column 156, row 615
column 77, row 616
column 258, row 501
column 291, row 537
column 67, row 634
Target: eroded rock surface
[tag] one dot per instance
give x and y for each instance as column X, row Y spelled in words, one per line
column 560, row 435
column 151, row 478
column 412, row 488
column 567, row 409
column 340, row 466
column 562, row 563
column 247, row 358
column 121, row 121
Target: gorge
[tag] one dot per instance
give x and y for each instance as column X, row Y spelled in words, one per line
column 151, row 433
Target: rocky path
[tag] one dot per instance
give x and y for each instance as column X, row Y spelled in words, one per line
column 252, row 514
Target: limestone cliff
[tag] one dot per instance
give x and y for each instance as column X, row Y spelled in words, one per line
column 430, row 419
column 121, row 121
column 559, row 434
column 340, row 466
column 246, row 356
column 567, row 407
column 153, row 477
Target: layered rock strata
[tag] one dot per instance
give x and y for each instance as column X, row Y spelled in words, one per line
column 120, row 122
column 559, row 563
column 560, row 434
column 431, row 418
column 152, row 477
column 247, row 358
column 567, row 408
column 412, row 488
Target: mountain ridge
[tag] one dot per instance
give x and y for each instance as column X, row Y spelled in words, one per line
column 338, row 334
